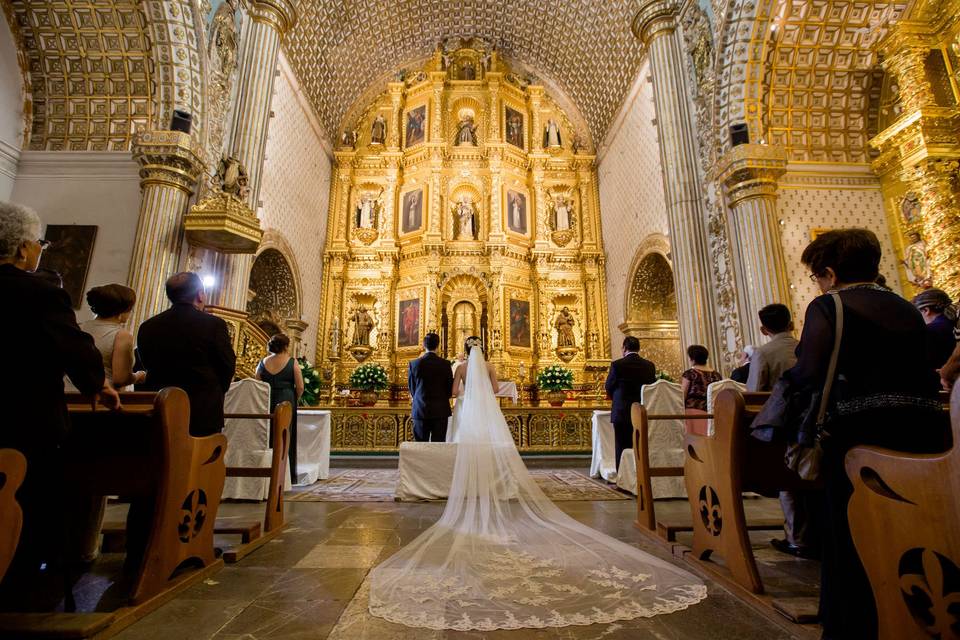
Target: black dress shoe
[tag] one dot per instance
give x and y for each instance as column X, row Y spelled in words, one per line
column 794, row 549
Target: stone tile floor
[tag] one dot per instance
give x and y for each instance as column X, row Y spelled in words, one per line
column 309, row 583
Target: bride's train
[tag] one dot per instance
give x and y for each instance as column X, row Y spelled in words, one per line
column 503, row 556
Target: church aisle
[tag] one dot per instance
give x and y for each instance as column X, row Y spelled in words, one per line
column 309, row 583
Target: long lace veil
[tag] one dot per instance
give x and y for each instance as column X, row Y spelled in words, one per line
column 503, row 556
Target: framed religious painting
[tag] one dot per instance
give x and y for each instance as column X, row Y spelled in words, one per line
column 69, row 254
column 408, row 323
column 520, row 323
column 517, row 213
column 513, row 127
column 411, row 211
column 416, row 128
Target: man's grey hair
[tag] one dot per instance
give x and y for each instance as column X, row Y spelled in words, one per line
column 17, row 224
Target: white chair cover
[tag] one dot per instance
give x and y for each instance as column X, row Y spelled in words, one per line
column 714, row 389
column 665, row 440
column 248, row 439
column 313, row 446
column 627, row 476
column 602, row 463
column 426, row 470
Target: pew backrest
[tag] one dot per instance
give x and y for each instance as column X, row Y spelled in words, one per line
column 13, row 469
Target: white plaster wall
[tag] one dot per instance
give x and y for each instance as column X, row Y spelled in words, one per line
column 631, row 194
column 802, row 208
column 12, row 124
column 295, row 190
column 86, row 187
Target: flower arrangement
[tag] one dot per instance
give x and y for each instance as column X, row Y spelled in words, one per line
column 369, row 377
column 311, row 384
column 663, row 375
column 555, row 378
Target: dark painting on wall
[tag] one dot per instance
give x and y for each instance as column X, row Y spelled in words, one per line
column 517, row 212
column 520, row 323
column 412, row 211
column 69, row 254
column 408, row 333
column 514, row 127
column 416, row 125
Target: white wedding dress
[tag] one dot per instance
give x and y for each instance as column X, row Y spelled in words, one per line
column 503, row 556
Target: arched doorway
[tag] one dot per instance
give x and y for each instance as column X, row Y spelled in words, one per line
column 651, row 310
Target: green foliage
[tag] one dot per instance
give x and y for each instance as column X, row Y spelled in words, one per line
column 369, row 377
column 555, row 378
column 311, row 384
column 663, row 375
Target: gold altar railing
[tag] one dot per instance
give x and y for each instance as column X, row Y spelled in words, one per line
column 381, row 429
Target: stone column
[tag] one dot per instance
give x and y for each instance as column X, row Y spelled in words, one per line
column 655, row 24
column 169, row 168
column 269, row 21
column 749, row 172
column 295, row 329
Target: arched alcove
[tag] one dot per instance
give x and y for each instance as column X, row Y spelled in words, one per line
column 273, row 292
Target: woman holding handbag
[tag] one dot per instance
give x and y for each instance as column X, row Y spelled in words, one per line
column 881, row 392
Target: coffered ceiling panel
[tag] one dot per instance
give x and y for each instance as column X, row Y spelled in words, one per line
column 339, row 47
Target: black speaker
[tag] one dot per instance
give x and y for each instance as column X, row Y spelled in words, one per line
column 739, row 134
column 181, row 121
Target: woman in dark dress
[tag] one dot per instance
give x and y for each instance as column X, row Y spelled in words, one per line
column 884, row 394
column 696, row 379
column 281, row 371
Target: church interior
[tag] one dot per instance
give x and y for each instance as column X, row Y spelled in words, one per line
column 350, row 188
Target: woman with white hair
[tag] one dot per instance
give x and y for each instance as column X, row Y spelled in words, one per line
column 44, row 341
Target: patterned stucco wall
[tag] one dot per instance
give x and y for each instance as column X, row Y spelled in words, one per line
column 631, row 195
column 296, row 188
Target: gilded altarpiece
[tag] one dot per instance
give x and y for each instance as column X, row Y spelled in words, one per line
column 464, row 201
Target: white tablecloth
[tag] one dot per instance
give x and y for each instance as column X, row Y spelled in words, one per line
column 603, row 462
column 313, row 446
column 248, row 439
column 508, row 389
column 426, row 470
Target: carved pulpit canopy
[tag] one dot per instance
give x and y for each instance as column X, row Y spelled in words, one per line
column 222, row 220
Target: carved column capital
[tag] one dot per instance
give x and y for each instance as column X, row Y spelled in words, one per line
column 282, row 14
column 168, row 158
column 750, row 171
column 654, row 17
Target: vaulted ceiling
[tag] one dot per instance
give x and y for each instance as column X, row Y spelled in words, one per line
column 339, row 47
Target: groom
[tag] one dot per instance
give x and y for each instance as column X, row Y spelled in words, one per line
column 430, row 380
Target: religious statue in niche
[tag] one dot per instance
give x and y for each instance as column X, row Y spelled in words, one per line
column 466, row 227
column 514, row 122
column 335, row 337
column 562, row 213
column 466, row 131
column 916, row 262
column 467, row 71
column 348, row 139
column 551, row 135
column 232, row 177
column 367, row 211
column 362, row 326
column 378, row 131
column 564, row 326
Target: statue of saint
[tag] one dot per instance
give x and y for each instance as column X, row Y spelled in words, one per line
column 232, row 177
column 564, row 326
column 551, row 134
column 561, row 209
column 378, row 131
column 362, row 326
column 916, row 262
column 466, row 132
column 465, row 219
column 224, row 35
column 365, row 213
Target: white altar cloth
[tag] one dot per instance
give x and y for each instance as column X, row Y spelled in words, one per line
column 313, row 446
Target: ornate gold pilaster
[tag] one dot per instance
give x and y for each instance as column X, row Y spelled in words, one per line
column 935, row 181
column 395, row 89
column 655, row 25
column 269, row 21
column 749, row 173
column 169, row 168
column 536, row 132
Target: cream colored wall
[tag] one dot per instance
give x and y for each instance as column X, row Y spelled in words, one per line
column 829, row 197
column 295, row 191
column 99, row 188
column 631, row 194
column 11, row 111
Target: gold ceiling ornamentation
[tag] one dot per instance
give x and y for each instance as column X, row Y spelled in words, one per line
column 337, row 48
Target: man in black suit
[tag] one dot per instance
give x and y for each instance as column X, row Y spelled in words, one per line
column 188, row 348
column 42, row 342
column 430, row 380
column 627, row 376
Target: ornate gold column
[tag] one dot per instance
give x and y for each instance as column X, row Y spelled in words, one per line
column 169, row 168
column 269, row 21
column 749, row 172
column 655, row 24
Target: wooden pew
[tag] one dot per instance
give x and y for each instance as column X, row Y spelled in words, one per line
column 718, row 470
column 13, row 469
column 273, row 521
column 914, row 564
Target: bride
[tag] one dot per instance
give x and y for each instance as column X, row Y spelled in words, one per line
column 503, row 556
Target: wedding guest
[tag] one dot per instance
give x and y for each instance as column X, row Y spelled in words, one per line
column 741, row 373
column 941, row 342
column 696, row 379
column 885, row 394
column 624, row 383
column 45, row 342
column 281, row 371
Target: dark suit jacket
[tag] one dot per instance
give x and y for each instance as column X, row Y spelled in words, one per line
column 430, row 380
column 627, row 376
column 188, row 348
column 42, row 342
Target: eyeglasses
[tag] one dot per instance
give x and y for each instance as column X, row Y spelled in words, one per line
column 43, row 243
column 813, row 277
